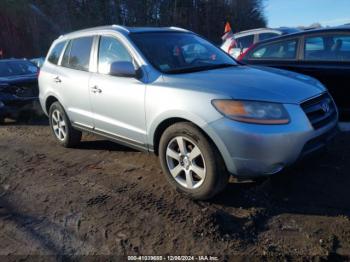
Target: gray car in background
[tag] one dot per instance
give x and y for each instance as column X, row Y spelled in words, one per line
column 169, row 91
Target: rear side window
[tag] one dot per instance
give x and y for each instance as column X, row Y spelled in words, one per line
column 327, row 48
column 56, row 53
column 245, row 41
column 281, row 50
column 77, row 54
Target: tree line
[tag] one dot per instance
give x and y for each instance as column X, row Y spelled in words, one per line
column 29, row 26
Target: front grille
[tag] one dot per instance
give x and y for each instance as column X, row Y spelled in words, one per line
column 23, row 89
column 26, row 90
column 320, row 110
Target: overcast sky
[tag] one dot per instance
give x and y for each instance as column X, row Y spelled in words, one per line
column 306, row 12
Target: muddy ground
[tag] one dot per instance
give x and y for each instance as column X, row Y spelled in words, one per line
column 102, row 198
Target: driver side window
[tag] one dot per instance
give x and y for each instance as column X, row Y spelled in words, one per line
column 110, row 51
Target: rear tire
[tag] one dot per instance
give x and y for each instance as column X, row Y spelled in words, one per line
column 191, row 162
column 2, row 120
column 61, row 127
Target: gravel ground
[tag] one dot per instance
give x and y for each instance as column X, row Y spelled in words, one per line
column 102, row 198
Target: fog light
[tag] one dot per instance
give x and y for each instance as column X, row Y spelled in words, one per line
column 1, row 104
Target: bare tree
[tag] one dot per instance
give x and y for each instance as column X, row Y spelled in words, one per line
column 29, row 26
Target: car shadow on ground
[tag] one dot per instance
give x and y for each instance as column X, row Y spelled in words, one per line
column 103, row 145
column 318, row 185
column 37, row 121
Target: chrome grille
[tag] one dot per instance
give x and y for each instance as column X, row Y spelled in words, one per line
column 320, row 110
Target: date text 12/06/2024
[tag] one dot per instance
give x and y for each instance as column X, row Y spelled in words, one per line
column 173, row 258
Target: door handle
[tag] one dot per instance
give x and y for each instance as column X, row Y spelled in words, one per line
column 95, row 90
column 57, row 79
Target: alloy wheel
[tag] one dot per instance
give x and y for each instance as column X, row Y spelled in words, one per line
column 59, row 125
column 186, row 162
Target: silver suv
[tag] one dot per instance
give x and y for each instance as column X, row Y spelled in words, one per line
column 169, row 91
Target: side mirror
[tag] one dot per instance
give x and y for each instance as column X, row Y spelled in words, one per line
column 122, row 69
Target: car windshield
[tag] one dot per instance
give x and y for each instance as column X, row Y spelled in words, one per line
column 177, row 52
column 17, row 68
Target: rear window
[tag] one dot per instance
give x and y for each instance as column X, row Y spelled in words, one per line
column 17, row 68
column 77, row 54
column 328, row 48
column 56, row 53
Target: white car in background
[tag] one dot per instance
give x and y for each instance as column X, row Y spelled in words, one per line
column 240, row 42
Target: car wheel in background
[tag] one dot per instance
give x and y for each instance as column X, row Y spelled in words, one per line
column 191, row 162
column 61, row 127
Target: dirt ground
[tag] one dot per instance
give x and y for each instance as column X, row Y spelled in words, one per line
column 102, row 198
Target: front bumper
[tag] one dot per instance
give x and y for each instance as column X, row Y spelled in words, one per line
column 251, row 150
column 13, row 108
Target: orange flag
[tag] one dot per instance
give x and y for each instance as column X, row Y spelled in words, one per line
column 227, row 28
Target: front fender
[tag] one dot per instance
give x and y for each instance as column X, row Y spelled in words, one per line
column 173, row 114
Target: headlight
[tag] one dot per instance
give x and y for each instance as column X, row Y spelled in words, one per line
column 253, row 112
column 1, row 104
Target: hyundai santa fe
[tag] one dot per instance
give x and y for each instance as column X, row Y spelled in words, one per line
column 171, row 92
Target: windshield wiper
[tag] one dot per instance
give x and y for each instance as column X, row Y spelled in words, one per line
column 198, row 68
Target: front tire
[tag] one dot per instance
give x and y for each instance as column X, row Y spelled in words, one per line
column 61, row 127
column 191, row 162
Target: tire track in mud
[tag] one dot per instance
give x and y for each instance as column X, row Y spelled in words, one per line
column 109, row 200
column 201, row 223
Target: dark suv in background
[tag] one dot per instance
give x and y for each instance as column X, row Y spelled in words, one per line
column 323, row 54
column 18, row 88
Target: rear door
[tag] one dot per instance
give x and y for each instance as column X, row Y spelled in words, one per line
column 50, row 70
column 119, row 103
column 327, row 57
column 73, row 78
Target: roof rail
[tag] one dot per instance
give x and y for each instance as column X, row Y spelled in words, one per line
column 178, row 28
column 121, row 27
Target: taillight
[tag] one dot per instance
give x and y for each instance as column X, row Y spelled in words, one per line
column 241, row 56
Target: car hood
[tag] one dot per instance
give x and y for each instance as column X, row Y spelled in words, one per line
column 250, row 83
column 20, row 78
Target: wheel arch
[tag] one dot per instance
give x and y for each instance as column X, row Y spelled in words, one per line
column 162, row 127
column 173, row 120
column 206, row 130
column 49, row 101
